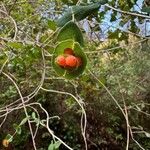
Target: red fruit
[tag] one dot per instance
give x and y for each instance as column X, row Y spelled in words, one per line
column 68, row 51
column 79, row 61
column 60, row 60
column 71, row 61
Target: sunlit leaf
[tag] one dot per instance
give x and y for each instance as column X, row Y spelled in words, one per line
column 24, row 121
column 15, row 45
column 52, row 25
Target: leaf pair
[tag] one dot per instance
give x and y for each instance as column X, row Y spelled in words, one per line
column 71, row 37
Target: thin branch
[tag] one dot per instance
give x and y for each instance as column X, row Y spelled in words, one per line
column 24, row 106
column 5, row 117
column 47, row 126
column 126, row 12
column 114, row 48
column 83, row 110
column 116, row 102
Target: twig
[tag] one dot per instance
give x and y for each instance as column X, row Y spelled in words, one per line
column 114, row 48
column 116, row 102
column 83, row 110
column 126, row 12
column 5, row 117
column 83, row 118
column 47, row 126
column 24, row 106
column 127, row 119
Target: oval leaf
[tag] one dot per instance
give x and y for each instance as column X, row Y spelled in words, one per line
column 80, row 12
column 24, row 121
column 70, row 31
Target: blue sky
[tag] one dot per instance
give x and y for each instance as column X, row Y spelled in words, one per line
column 106, row 25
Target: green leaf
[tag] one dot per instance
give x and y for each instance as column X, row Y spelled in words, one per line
column 113, row 35
column 54, row 146
column 52, row 25
column 57, row 144
column 80, row 12
column 17, row 128
column 9, row 137
column 78, row 51
column 15, row 45
column 118, row 35
column 24, row 121
column 113, row 16
column 146, row 9
column 51, row 146
column 33, row 115
column 70, row 102
column 70, row 31
column 133, row 26
column 147, row 134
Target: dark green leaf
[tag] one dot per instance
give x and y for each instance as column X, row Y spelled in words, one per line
column 80, row 12
column 146, row 9
column 70, row 31
column 113, row 16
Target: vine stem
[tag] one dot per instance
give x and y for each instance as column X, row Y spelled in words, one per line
column 47, row 126
column 83, row 125
column 24, row 106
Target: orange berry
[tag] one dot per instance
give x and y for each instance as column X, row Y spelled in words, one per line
column 68, row 51
column 79, row 61
column 60, row 60
column 71, row 61
column 5, row 143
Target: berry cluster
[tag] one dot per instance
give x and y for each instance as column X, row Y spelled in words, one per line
column 68, row 59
